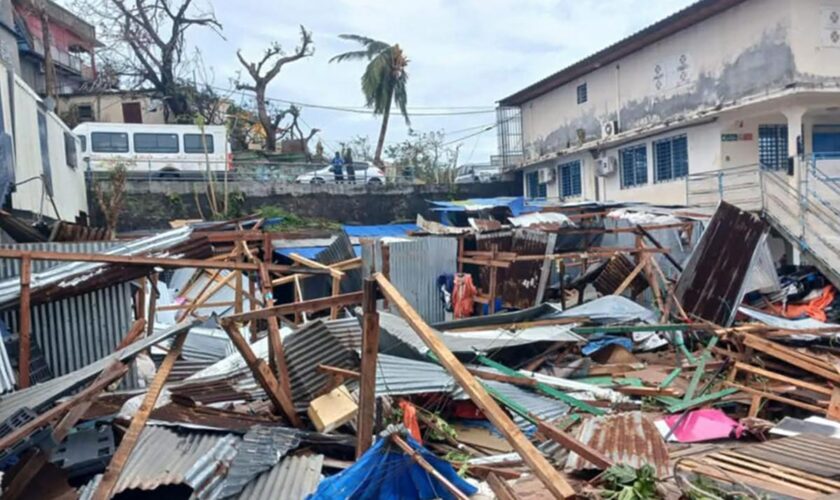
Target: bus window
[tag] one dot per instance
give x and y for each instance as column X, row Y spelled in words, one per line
column 155, row 143
column 109, row 142
column 192, row 143
column 83, row 143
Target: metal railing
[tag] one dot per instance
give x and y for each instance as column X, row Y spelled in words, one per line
column 808, row 213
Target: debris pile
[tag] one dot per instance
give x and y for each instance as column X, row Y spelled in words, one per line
column 504, row 350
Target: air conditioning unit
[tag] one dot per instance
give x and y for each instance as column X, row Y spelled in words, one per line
column 609, row 128
column 546, row 175
column 606, row 166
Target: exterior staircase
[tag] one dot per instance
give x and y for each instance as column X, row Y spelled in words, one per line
column 806, row 211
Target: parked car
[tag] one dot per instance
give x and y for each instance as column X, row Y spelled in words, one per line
column 477, row 173
column 364, row 173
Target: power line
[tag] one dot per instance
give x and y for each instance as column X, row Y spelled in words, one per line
column 361, row 110
column 462, row 139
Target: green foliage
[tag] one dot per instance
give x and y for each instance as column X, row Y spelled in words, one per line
column 626, row 483
column 425, row 156
column 459, row 457
column 290, row 221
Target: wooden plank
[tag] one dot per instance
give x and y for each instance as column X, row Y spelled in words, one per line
column 834, row 405
column 263, row 375
column 819, row 389
column 411, row 452
column 790, row 356
column 335, row 370
column 335, row 292
column 500, row 488
column 313, row 305
column 630, row 277
column 335, row 273
column 550, row 477
column 150, row 322
column 570, row 443
column 776, row 397
column 25, row 322
column 168, row 263
column 138, row 422
column 367, row 386
column 113, row 372
column 133, row 334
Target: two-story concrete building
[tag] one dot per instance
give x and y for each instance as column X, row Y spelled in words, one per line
column 718, row 85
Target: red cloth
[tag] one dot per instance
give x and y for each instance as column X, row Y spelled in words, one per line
column 410, row 420
column 463, row 292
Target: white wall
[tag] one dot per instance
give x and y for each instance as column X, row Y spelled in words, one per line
column 69, row 193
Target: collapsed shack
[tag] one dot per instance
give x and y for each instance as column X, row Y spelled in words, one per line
column 509, row 351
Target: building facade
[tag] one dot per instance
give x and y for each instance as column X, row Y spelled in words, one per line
column 111, row 106
column 719, row 85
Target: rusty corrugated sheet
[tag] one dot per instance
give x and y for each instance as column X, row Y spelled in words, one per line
column 712, row 283
column 525, row 282
column 627, row 439
column 67, row 231
column 616, row 270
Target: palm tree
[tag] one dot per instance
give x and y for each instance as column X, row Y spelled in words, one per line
column 383, row 81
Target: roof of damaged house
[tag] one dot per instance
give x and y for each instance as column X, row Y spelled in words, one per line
column 685, row 18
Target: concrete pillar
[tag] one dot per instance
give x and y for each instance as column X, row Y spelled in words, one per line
column 794, row 116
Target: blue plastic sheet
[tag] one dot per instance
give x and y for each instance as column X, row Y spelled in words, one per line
column 386, row 472
column 596, row 345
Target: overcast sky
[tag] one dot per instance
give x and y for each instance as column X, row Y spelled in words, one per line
column 462, row 53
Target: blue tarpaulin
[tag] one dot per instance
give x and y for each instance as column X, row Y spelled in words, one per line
column 310, row 252
column 516, row 204
column 379, row 231
column 385, row 472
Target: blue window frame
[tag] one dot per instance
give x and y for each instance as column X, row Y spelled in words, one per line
column 533, row 186
column 569, row 180
column 773, row 146
column 826, row 141
column 582, row 93
column 670, row 158
column 633, row 166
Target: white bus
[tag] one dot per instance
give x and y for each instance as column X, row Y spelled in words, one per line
column 165, row 150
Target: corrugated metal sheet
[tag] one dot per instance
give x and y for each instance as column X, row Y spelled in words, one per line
column 712, row 283
column 294, row 477
column 543, row 407
column 613, row 274
column 163, row 457
column 315, row 343
column 402, row 376
column 76, row 331
column 381, row 231
column 627, row 439
column 7, row 375
column 525, row 283
column 40, row 396
column 261, row 449
column 395, row 330
column 340, row 249
column 819, row 455
column 414, row 268
column 81, row 271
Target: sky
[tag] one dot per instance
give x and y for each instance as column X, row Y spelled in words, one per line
column 464, row 55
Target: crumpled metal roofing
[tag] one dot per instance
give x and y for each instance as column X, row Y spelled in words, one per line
column 294, row 477
column 626, row 438
column 414, row 268
column 544, row 407
column 163, row 457
column 75, row 272
column 403, row 376
column 7, row 375
column 610, row 309
column 486, row 340
column 261, row 449
column 40, row 396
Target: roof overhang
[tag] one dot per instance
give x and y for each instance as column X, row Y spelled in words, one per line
column 691, row 15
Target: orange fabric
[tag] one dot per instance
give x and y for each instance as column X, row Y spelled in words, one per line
column 815, row 308
column 410, row 420
column 463, row 292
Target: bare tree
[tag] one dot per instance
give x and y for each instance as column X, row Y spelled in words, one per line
column 146, row 40
column 262, row 72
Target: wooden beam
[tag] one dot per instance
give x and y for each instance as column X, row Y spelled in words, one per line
column 335, row 292
column 570, row 443
column 25, row 322
column 500, row 488
column 335, row 273
column 313, row 305
column 138, row 421
column 370, row 350
column 411, row 452
column 114, row 371
column 550, row 477
column 205, row 305
column 335, row 370
column 77, row 408
column 133, row 334
column 150, row 322
column 630, row 277
column 263, row 375
column 277, row 359
column 165, row 262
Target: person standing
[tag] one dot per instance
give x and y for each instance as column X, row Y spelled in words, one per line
column 348, row 162
column 337, row 165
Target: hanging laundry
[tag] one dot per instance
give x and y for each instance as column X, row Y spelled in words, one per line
column 445, row 283
column 410, row 420
column 463, row 294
